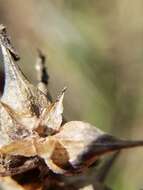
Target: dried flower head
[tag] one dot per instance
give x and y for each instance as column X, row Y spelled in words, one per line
column 31, row 130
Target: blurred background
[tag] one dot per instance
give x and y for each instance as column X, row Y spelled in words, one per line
column 95, row 48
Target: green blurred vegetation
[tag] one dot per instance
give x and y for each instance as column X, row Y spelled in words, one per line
column 95, row 48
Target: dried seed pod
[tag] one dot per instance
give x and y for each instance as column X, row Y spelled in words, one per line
column 30, row 129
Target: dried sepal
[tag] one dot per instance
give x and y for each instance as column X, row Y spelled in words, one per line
column 19, row 93
column 10, row 128
column 85, row 144
column 51, row 119
column 26, row 101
